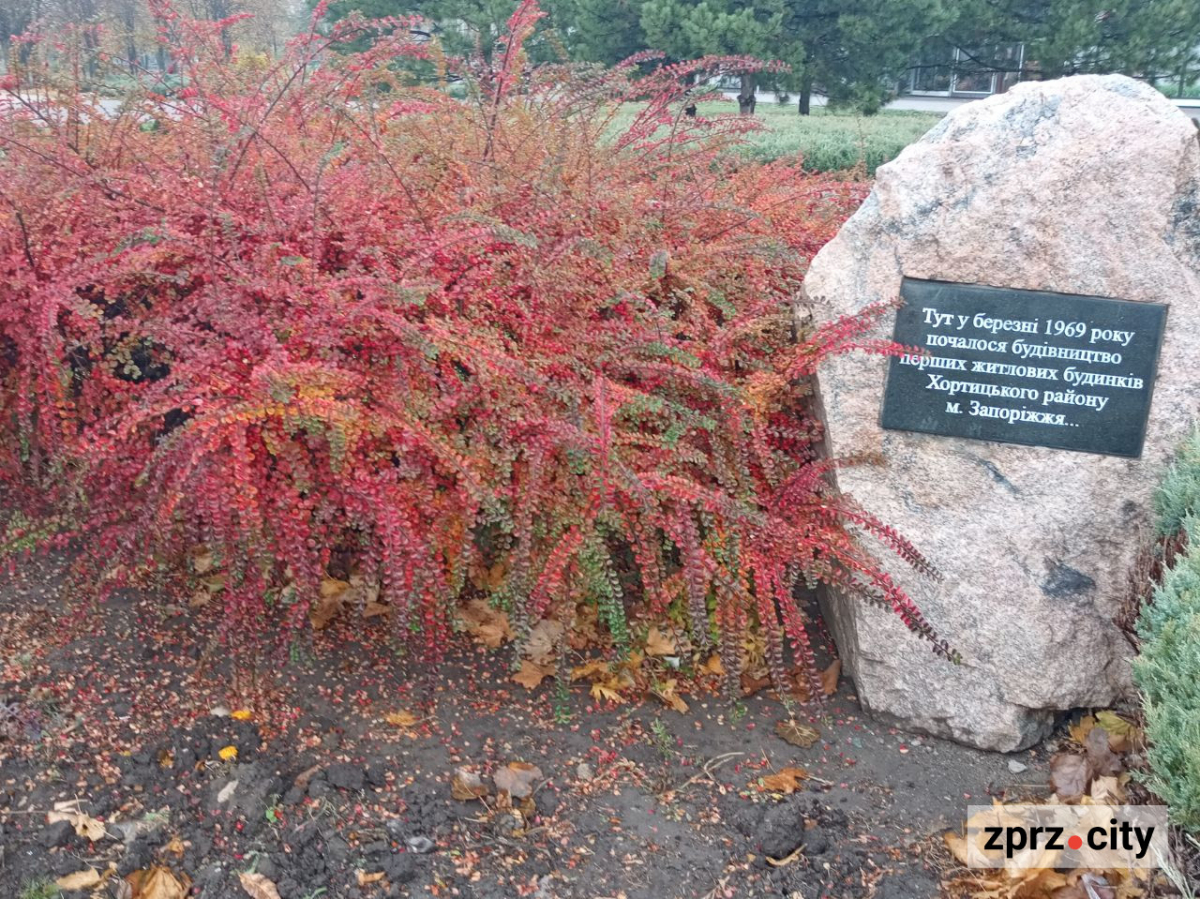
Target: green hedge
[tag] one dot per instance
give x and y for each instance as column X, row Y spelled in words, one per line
column 827, row 141
column 1168, row 669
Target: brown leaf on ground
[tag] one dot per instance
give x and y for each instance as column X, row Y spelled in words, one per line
column 713, row 665
column 1070, row 775
column 375, row 609
column 751, row 684
column 531, row 674
column 1100, row 756
column 333, row 597
column 80, row 880
column 659, row 645
column 487, row 625
column 159, row 883
column 542, row 645
column 257, row 886
column 466, row 785
column 797, row 734
column 786, row 780
column 364, row 878
column 1107, row 791
column 517, row 779
column 829, row 677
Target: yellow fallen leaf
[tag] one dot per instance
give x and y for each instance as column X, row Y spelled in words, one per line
column 713, row 665
column 257, row 886
column 402, row 718
column 592, row 670
column 666, row 692
column 241, row 715
column 227, row 753
column 1080, row 730
column 602, row 692
column 364, row 878
column 175, row 846
column 531, row 675
column 80, row 880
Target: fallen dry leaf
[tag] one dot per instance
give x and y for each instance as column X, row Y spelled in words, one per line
column 159, row 883
column 175, row 846
column 531, row 674
column 333, row 597
column 402, row 718
column 1081, row 729
column 241, row 715
column 797, row 734
column 606, row 692
column 542, row 645
column 517, row 779
column 257, row 886
column 487, row 625
column 85, row 825
column 829, row 677
column 1100, row 755
column 1107, row 791
column 375, row 609
column 364, row 878
column 594, row 669
column 751, row 684
column 1069, row 776
column 658, row 645
column 666, row 691
column 466, row 785
column 80, row 880
column 786, row 780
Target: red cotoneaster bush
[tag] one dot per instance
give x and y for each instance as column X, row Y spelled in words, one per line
column 314, row 311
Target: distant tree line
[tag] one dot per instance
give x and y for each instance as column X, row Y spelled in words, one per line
column 851, row 51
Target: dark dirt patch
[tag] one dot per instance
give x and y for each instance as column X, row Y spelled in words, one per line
column 130, row 715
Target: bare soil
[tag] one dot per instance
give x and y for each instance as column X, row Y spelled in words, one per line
column 128, row 711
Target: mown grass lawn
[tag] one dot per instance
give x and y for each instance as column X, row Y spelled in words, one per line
column 826, row 141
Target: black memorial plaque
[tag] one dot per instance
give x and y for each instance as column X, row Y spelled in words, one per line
column 1023, row 366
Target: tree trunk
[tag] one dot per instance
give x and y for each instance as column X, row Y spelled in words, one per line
column 806, row 88
column 746, row 99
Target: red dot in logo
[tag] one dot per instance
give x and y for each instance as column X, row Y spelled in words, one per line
column 1075, row 842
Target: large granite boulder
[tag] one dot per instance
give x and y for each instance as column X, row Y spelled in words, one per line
column 1086, row 185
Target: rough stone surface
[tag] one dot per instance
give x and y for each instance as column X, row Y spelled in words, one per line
column 1087, row 185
